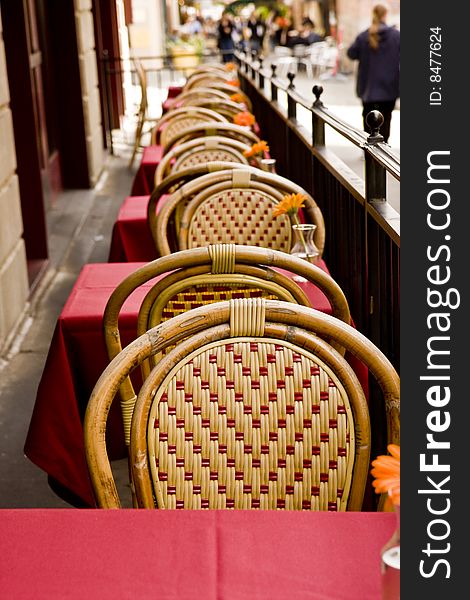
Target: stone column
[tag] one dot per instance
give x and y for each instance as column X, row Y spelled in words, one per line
column 14, row 286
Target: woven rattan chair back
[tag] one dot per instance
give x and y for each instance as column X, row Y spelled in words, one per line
column 252, row 409
column 227, row 108
column 207, row 79
column 170, row 185
column 207, row 69
column 235, row 214
column 204, row 276
column 187, row 98
column 200, row 151
column 231, row 89
column 229, row 130
column 246, row 217
column 178, row 120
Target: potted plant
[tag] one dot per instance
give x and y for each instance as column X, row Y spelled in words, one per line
column 186, row 50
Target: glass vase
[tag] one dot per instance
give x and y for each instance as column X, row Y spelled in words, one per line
column 303, row 244
column 390, row 563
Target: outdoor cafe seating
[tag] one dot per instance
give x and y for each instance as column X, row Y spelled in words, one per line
column 242, row 379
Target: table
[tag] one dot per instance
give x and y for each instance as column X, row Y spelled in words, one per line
column 77, row 357
column 169, row 555
column 131, row 240
column 144, row 180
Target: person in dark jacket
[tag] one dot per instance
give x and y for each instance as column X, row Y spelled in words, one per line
column 225, row 41
column 378, row 51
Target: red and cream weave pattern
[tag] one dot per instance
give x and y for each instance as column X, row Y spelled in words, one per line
column 199, row 157
column 180, row 124
column 248, row 424
column 240, row 216
column 196, row 296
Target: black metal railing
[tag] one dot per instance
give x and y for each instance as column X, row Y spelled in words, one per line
column 362, row 228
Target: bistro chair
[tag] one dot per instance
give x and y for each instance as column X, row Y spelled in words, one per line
column 195, row 278
column 186, row 98
column 252, row 408
column 180, row 119
column 207, row 79
column 227, row 108
column 201, row 151
column 142, row 114
column 244, row 134
column 234, row 206
column 170, row 184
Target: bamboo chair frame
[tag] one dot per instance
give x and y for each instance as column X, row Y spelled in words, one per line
column 243, row 266
column 215, row 128
column 207, row 79
column 142, row 117
column 219, row 180
column 227, row 108
column 177, row 154
column 171, row 184
column 208, row 68
column 178, row 119
column 185, row 98
column 252, row 320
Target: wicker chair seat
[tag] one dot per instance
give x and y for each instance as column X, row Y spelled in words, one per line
column 251, row 423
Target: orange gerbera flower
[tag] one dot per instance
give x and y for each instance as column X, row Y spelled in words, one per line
column 386, row 470
column 237, row 98
column 256, row 149
column 234, row 82
column 230, row 66
column 245, row 119
column 289, row 205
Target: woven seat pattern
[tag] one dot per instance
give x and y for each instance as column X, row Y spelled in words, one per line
column 204, row 156
column 180, row 124
column 251, row 423
column 200, row 295
column 240, row 216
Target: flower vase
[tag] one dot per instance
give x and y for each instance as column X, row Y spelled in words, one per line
column 304, row 246
column 390, row 563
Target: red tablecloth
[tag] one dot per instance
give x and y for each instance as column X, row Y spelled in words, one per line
column 77, row 357
column 183, row 555
column 131, row 240
column 144, row 180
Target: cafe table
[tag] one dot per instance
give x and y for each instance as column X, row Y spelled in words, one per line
column 187, row 555
column 76, row 358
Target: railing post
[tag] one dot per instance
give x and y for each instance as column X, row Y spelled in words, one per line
column 260, row 75
column 375, row 174
column 318, row 125
column 273, row 85
column 291, row 103
column 254, row 56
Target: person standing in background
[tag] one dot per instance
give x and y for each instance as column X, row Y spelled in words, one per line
column 378, row 51
column 225, row 41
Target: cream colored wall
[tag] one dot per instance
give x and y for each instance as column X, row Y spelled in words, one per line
column 90, row 91
column 14, row 287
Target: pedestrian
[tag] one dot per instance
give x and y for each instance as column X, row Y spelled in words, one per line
column 378, row 51
column 225, row 40
column 257, row 29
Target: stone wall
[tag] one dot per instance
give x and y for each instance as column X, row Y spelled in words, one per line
column 90, row 90
column 14, row 287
